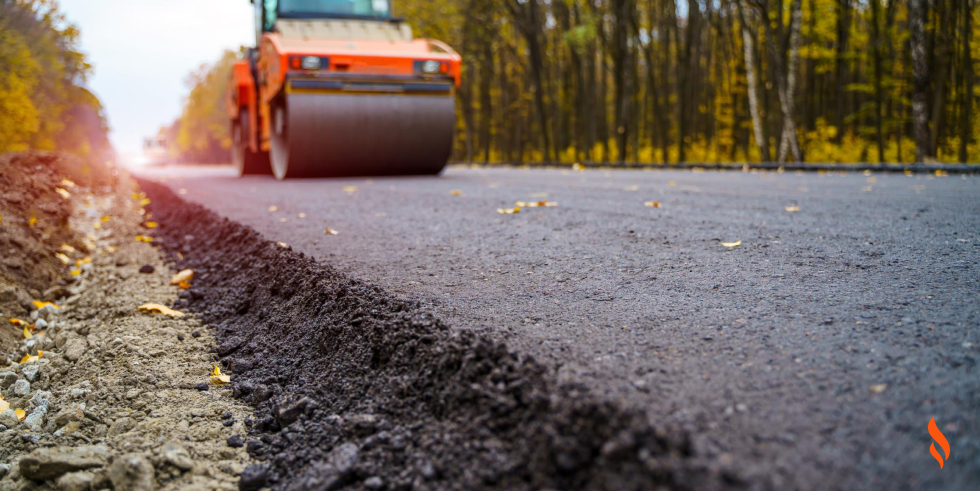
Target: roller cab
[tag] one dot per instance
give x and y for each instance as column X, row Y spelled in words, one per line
column 341, row 88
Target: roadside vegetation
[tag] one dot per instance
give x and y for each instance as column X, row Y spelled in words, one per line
column 44, row 104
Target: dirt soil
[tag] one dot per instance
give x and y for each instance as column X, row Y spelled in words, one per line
column 356, row 389
column 111, row 397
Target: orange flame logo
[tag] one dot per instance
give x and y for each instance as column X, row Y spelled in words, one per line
column 940, row 439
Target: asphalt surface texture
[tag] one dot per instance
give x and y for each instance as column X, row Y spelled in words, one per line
column 814, row 353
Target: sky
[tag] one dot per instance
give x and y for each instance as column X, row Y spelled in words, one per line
column 143, row 50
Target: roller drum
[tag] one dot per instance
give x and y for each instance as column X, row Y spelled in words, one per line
column 333, row 135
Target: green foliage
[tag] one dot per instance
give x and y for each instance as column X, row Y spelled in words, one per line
column 202, row 132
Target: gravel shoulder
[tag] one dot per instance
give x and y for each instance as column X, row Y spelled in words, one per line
column 113, row 397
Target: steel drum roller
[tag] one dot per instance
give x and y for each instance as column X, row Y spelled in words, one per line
column 332, row 135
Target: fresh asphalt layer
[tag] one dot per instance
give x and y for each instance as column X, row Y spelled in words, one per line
column 816, row 352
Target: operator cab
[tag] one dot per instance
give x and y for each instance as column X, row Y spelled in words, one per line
column 269, row 13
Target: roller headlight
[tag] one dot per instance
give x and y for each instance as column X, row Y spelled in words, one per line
column 311, row 63
column 431, row 67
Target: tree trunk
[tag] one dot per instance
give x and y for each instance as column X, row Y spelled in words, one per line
column 619, row 54
column 843, row 34
column 966, row 132
column 920, row 75
column 876, row 53
column 748, row 45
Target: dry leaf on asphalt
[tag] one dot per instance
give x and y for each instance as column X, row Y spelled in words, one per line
column 652, row 204
column 18, row 322
column 66, row 183
column 737, row 243
column 184, row 285
column 32, row 222
column 330, row 231
column 578, row 167
column 273, row 209
column 350, row 189
column 181, row 277
column 150, row 224
column 21, row 414
column 282, row 244
column 671, row 183
column 509, row 211
column 64, row 194
column 67, row 248
column 301, row 215
column 456, row 192
column 793, row 209
column 160, row 309
column 877, row 388
column 144, row 238
column 27, row 332
column 63, row 258
column 218, row 378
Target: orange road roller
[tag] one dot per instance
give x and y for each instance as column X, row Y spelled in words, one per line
column 341, row 88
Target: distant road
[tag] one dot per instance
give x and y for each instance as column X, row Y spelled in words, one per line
column 817, row 350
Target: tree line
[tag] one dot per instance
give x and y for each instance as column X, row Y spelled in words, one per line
column 44, row 104
column 711, row 80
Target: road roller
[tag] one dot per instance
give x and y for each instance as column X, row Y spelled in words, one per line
column 341, row 88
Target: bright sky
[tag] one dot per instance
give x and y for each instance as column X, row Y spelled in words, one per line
column 142, row 51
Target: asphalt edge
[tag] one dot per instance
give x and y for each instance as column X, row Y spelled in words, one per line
column 935, row 169
column 558, row 434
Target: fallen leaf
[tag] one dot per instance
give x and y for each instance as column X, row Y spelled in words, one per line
column 75, row 272
column 40, row 305
column 32, row 222
column 273, row 209
column 792, row 209
column 456, row 192
column 737, row 243
column 282, row 244
column 31, row 358
column 184, row 285
column 18, row 322
column 671, row 183
column 350, row 189
column 21, row 414
column 941, row 173
column 67, row 248
column 160, row 309
column 578, row 167
column 27, row 332
column 64, row 194
column 652, row 204
column 182, row 276
column 150, row 224
column 908, row 172
column 63, row 258
column 330, row 231
column 97, row 225
column 4, row 405
column 872, row 180
column 283, row 220
column 877, row 388
column 218, row 378
column 301, row 215
column 144, row 201
column 509, row 211
column 867, row 172
column 66, row 183
column 144, row 238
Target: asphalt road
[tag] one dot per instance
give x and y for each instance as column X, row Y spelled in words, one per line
column 816, row 352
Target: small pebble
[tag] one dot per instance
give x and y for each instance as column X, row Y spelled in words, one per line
column 180, row 337
column 228, row 422
column 147, row 269
column 235, row 441
column 227, row 415
column 195, row 334
column 201, row 387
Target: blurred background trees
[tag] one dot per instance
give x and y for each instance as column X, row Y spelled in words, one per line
column 709, row 80
column 44, row 104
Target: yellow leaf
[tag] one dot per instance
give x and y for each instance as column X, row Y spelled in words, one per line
column 509, row 211
column 63, row 258
column 737, row 243
column 137, row 196
column 183, row 285
column 218, row 378
column 350, row 189
column 908, row 172
column 456, row 192
column 144, row 238
column 31, row 358
column 182, row 277
column 144, row 201
column 75, row 272
column 330, row 231
column 793, row 209
column 27, row 332
column 1, row 218
column 273, row 209
column 150, row 224
column 872, row 180
column 66, row 183
column 4, row 405
column 85, row 260
column 652, row 204
column 160, row 309
column 578, row 167
column 64, row 194
column 941, row 173
column 106, row 218
column 867, row 172
column 67, row 248
column 877, row 388
column 40, row 305
column 32, row 222
column 18, row 322
column 21, row 414
column 671, row 183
